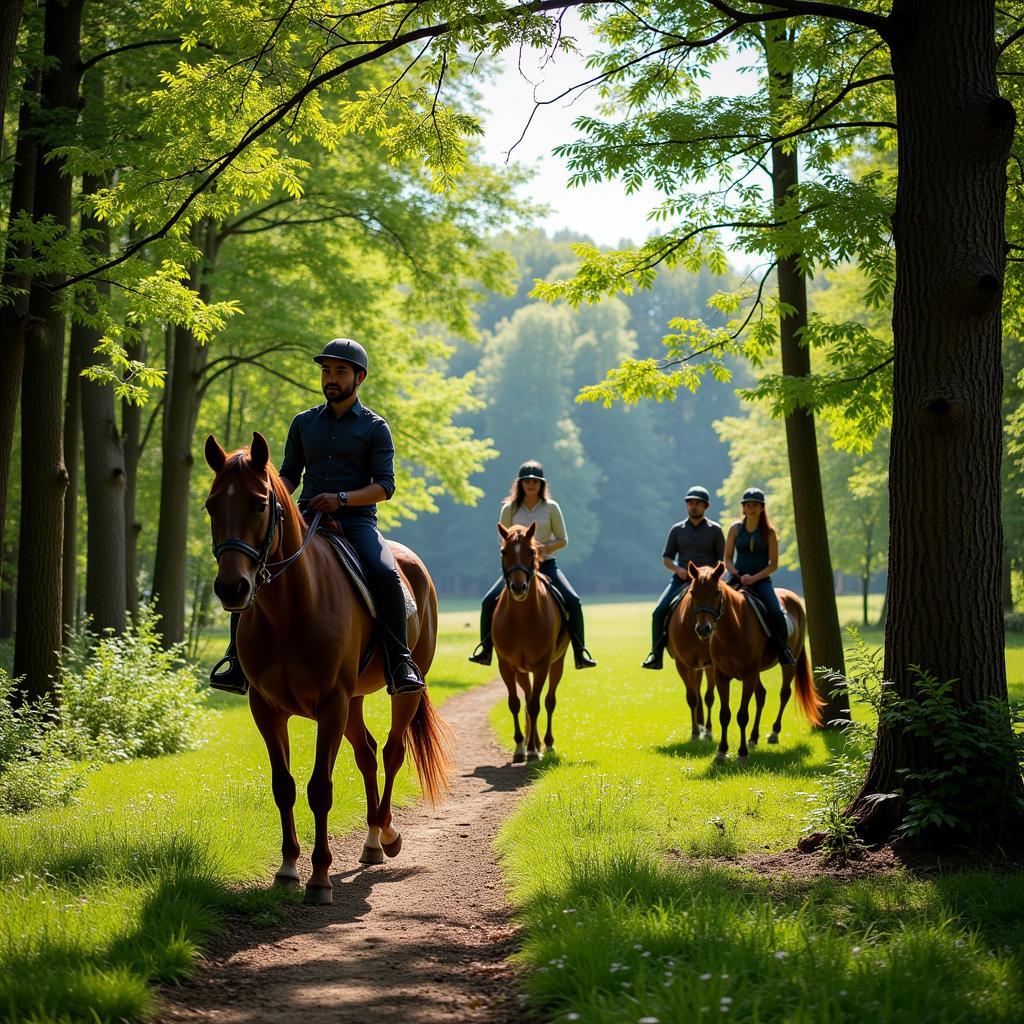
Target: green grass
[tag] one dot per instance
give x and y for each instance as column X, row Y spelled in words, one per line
column 101, row 900
column 630, row 913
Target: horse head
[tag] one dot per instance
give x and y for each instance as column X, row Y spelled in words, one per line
column 244, row 518
column 706, row 597
column 518, row 558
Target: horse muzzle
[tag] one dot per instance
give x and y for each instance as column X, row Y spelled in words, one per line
column 236, row 595
column 704, row 630
column 519, row 590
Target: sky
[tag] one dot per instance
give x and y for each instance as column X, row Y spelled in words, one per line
column 603, row 211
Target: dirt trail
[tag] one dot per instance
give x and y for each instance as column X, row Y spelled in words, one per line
column 422, row 938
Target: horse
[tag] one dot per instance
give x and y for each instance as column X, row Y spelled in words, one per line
column 739, row 649
column 530, row 638
column 301, row 635
column 692, row 656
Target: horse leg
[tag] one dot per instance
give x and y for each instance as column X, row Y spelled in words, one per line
column 722, row 685
column 750, row 684
column 709, row 701
column 788, row 674
column 332, row 717
column 760, row 693
column 364, row 747
column 403, row 709
column 508, row 675
column 691, row 680
column 555, row 677
column 533, row 714
column 273, row 727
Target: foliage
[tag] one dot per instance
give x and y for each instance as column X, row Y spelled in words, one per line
column 130, row 697
column 972, row 754
column 34, row 770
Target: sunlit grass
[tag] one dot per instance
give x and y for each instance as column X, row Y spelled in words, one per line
column 102, row 899
column 616, row 860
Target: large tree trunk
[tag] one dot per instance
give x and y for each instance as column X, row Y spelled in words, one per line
column 10, row 20
column 131, row 430
column 181, row 407
column 823, row 631
column 105, row 596
column 43, row 476
column 72, row 449
column 944, row 611
column 13, row 317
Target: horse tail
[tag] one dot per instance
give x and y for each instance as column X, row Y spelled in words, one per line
column 429, row 743
column 806, row 694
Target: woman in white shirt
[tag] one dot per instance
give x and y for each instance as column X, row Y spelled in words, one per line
column 528, row 502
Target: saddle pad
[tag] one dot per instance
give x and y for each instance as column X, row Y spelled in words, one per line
column 762, row 614
column 350, row 564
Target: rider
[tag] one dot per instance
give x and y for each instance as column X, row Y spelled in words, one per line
column 751, row 556
column 696, row 539
column 528, row 502
column 345, row 456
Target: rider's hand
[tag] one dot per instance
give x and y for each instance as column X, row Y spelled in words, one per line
column 325, row 503
column 746, row 579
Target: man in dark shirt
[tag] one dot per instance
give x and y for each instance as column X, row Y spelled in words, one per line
column 695, row 539
column 344, row 455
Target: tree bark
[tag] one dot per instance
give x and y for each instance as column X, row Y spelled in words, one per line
column 43, row 475
column 7, row 593
column 181, row 407
column 131, row 431
column 811, row 529
column 105, row 594
column 10, row 21
column 72, row 450
column 944, row 611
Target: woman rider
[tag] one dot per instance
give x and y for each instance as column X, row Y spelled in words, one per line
column 528, row 502
column 751, row 556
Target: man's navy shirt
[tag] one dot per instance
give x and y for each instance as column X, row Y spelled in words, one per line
column 340, row 454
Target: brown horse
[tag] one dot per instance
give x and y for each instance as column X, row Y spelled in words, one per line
column 301, row 635
column 529, row 636
column 739, row 649
column 692, row 656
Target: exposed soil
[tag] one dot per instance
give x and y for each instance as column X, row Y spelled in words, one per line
column 423, row 938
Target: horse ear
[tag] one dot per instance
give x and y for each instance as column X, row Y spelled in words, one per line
column 259, row 451
column 531, row 530
column 215, row 455
column 503, row 530
column 719, row 571
column 692, row 570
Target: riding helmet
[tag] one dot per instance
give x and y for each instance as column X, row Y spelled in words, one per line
column 347, row 349
column 698, row 493
column 753, row 494
column 531, row 470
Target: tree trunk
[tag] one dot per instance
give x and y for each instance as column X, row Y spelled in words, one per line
column 105, row 596
column 13, row 317
column 181, row 407
column 1006, row 580
column 7, row 592
column 72, row 449
column 131, row 431
column 43, row 475
column 823, row 631
column 10, row 20
column 869, row 530
column 944, row 611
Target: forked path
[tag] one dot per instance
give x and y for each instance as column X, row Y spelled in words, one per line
column 423, row 938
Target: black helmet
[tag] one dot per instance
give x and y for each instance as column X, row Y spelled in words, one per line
column 698, row 493
column 753, row 494
column 531, row 471
column 347, row 349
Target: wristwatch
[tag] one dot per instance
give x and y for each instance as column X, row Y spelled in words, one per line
column 342, row 499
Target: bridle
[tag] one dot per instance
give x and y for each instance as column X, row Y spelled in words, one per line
column 267, row 572
column 530, row 570
column 715, row 613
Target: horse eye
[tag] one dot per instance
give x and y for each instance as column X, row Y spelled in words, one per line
column 261, row 506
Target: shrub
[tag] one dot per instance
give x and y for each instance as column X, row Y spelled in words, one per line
column 128, row 697
column 1014, row 622
column 34, row 771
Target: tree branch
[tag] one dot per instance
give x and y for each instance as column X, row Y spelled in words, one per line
column 93, row 61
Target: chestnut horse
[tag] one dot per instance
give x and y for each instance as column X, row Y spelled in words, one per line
column 301, row 635
column 692, row 656
column 530, row 638
column 739, row 649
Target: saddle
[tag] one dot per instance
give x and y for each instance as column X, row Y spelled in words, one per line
column 761, row 612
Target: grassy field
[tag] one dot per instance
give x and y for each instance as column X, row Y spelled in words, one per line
column 100, row 900
column 618, row 863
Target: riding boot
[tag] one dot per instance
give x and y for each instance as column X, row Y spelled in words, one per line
column 581, row 655
column 782, row 645
column 655, row 660
column 484, row 651
column 232, row 678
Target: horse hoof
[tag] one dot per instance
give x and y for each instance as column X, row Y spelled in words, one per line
column 519, row 757
column 395, row 848
column 533, row 755
column 753, row 743
column 286, row 879
column 741, row 758
column 721, row 757
column 373, row 854
column 773, row 738
column 318, row 895
column 549, row 748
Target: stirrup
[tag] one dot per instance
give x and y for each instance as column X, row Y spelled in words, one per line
column 654, row 660
column 482, row 654
column 584, row 659
column 410, row 681
column 232, row 679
